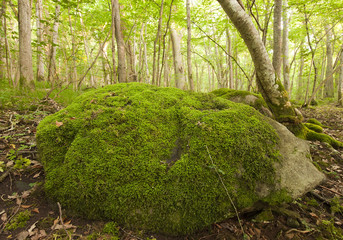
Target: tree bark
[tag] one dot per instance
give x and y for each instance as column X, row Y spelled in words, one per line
column 189, row 46
column 25, row 49
column 329, row 86
column 54, row 43
column 105, row 66
column 178, row 66
column 228, row 59
column 120, row 43
column 157, row 39
column 271, row 90
column 40, row 64
column 340, row 82
column 286, row 66
column 113, row 47
column 277, row 52
column 73, row 76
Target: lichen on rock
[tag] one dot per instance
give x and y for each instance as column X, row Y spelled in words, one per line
column 137, row 154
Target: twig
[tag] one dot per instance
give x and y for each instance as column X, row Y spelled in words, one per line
column 333, row 191
column 227, row 192
column 61, row 220
column 299, row 231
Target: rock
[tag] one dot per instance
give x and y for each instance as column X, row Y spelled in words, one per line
column 165, row 160
column 296, row 172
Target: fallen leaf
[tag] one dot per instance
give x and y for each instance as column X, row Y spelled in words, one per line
column 12, row 146
column 36, row 175
column 26, row 206
column 313, row 215
column 4, row 217
column 33, row 226
column 58, row 124
column 10, row 164
column 22, row 235
column 25, row 194
column 36, row 210
column 51, row 212
column 290, row 235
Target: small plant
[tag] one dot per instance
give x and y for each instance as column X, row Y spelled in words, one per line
column 19, row 161
column 2, row 166
column 19, row 221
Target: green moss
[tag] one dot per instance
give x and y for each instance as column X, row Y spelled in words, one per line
column 314, row 136
column 315, row 121
column 265, row 215
column 329, row 231
column 302, row 131
column 137, row 154
column 19, row 220
column 230, row 94
column 314, row 127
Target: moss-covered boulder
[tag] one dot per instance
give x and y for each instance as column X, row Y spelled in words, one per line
column 162, row 159
column 252, row 99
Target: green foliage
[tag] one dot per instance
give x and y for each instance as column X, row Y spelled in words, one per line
column 12, row 98
column 19, row 220
column 136, row 154
column 2, row 166
column 111, row 228
column 329, row 231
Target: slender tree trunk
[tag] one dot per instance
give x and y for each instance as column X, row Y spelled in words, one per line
column 85, row 43
column 113, row 47
column 166, row 74
column 228, row 59
column 286, row 66
column 54, row 43
column 157, row 39
column 131, row 74
column 73, row 76
column 120, row 43
column 2, row 49
column 189, row 46
column 272, row 90
column 25, row 49
column 300, row 78
column 6, row 46
column 40, row 64
column 178, row 65
column 329, row 86
column 277, row 52
column 105, row 66
column 340, row 82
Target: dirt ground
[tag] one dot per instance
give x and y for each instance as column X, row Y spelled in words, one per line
column 26, row 213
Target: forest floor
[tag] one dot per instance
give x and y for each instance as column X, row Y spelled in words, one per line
column 26, row 213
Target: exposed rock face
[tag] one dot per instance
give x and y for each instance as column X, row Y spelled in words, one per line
column 149, row 158
column 296, row 172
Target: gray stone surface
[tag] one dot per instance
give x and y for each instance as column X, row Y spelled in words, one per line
column 296, row 171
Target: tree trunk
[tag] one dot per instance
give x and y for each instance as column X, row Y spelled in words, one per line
column 25, row 50
column 54, row 43
column 189, row 46
column 229, row 61
column 113, row 47
column 40, row 64
column 178, row 66
column 157, row 39
column 120, row 43
column 277, row 52
column 340, row 82
column 73, row 76
column 286, row 67
column 105, row 66
column 300, row 78
column 328, row 86
column 131, row 73
column 271, row 90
